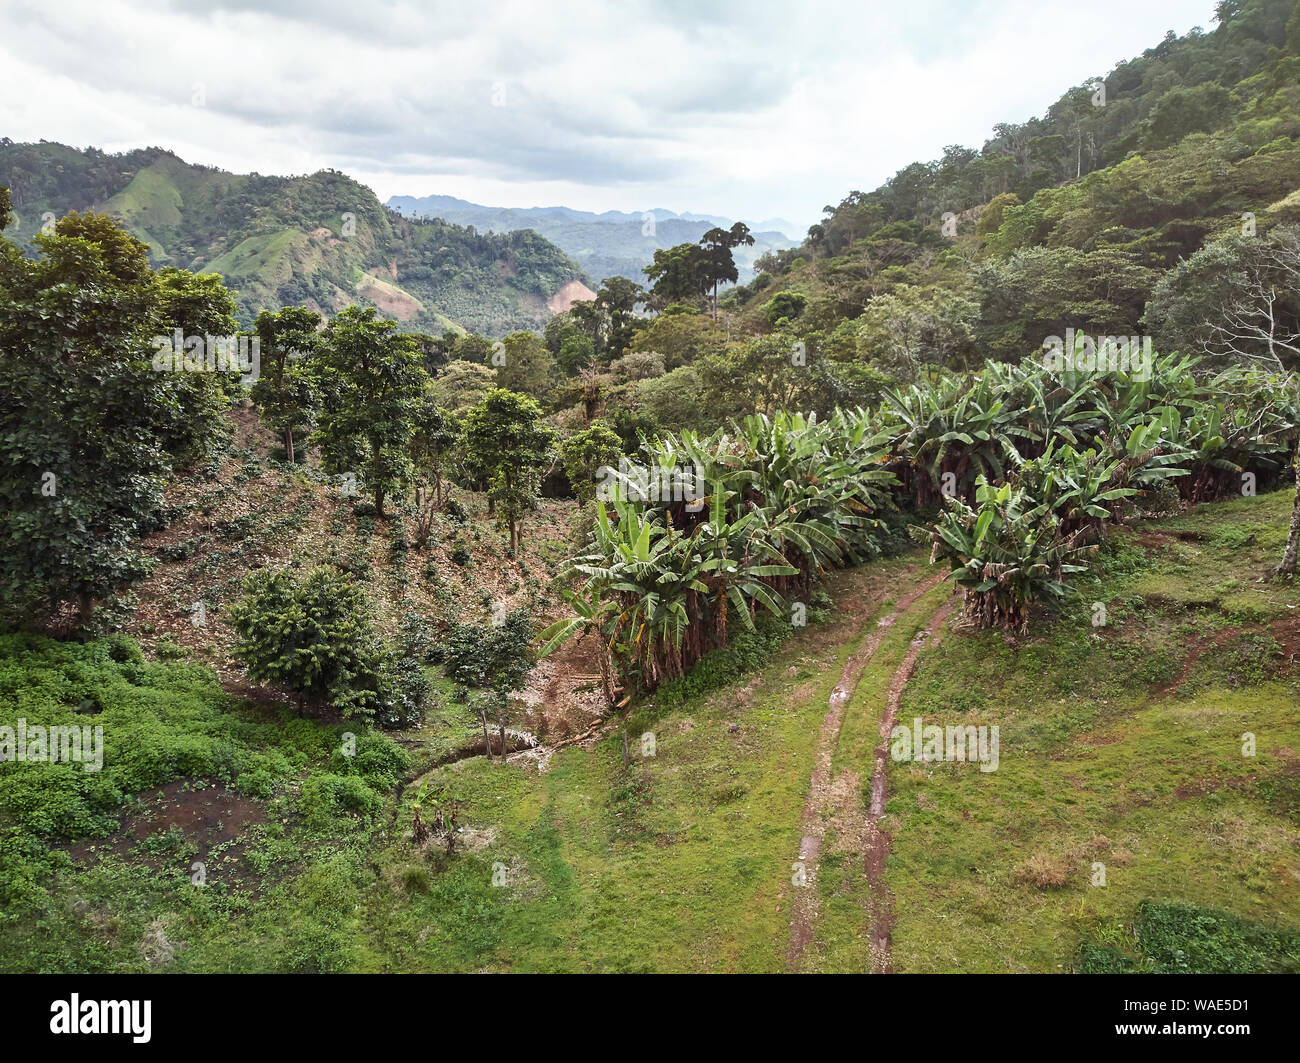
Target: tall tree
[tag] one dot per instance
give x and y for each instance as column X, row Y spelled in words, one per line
column 88, row 428
column 677, row 274
column 617, row 299
column 526, row 365
column 1258, row 319
column 507, row 440
column 200, row 307
column 719, row 264
column 434, row 443
column 371, row 381
column 586, row 453
column 286, row 390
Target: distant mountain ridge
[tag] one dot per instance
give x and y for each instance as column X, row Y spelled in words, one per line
column 321, row 239
column 611, row 243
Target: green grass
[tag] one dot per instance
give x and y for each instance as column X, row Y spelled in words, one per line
column 161, row 722
column 1101, row 766
column 1174, row 937
column 1120, row 746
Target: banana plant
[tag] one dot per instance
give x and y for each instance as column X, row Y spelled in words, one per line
column 1006, row 553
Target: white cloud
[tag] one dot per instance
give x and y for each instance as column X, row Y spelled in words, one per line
column 762, row 109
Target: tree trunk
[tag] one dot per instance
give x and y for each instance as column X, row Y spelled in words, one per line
column 288, row 445
column 514, row 537
column 503, row 740
column 606, row 670
column 379, row 502
column 86, row 607
column 1287, row 567
column 487, row 742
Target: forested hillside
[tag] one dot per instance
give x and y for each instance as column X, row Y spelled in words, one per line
column 322, row 240
column 1074, row 218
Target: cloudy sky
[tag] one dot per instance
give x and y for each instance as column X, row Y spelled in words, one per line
column 750, row 109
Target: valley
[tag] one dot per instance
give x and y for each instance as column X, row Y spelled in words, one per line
column 422, row 586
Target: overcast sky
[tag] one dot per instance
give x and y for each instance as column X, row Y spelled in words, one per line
column 751, row 109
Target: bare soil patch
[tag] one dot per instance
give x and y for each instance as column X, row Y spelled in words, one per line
column 204, row 818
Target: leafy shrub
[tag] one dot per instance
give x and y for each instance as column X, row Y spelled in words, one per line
column 415, row 637
column 1177, row 937
column 313, row 636
column 405, row 691
column 181, row 551
column 1006, row 554
column 257, row 783
column 784, row 305
column 1102, row 959
column 496, row 657
column 237, row 528
column 327, row 796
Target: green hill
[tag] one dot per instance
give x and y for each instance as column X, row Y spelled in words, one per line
column 1071, row 218
column 321, row 239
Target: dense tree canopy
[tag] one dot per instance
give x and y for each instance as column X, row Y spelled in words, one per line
column 371, row 381
column 89, row 428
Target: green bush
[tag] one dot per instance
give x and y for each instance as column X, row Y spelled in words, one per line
column 378, row 759
column 327, row 796
column 1177, row 937
column 1102, row 959
column 312, row 635
column 161, row 721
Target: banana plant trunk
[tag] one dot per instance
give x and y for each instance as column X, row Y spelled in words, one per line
column 1287, row 567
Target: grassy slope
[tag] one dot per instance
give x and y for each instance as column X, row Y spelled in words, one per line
column 1111, row 754
column 683, row 862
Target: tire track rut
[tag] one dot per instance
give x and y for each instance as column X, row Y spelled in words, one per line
column 803, row 910
column 876, row 842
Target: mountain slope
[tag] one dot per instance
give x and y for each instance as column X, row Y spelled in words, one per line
column 612, row 243
column 1071, row 218
column 322, row 239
